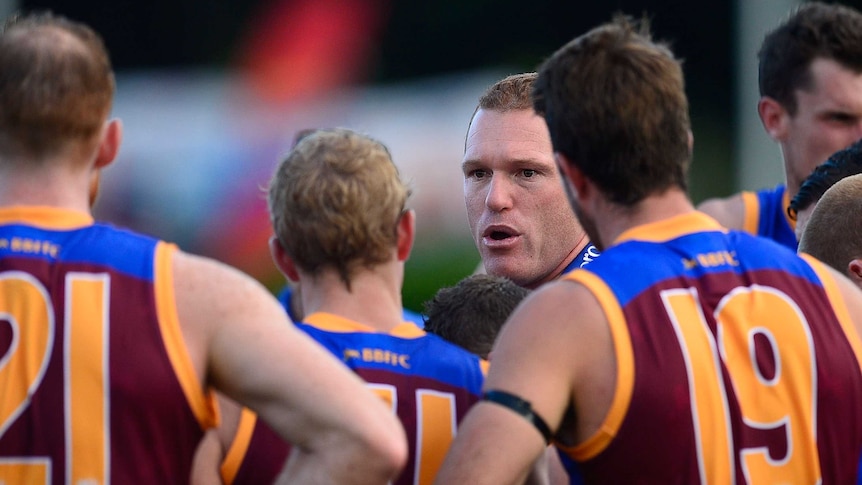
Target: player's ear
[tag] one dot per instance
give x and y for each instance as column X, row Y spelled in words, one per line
column 854, row 271
column 774, row 117
column 406, row 234
column 572, row 175
column 109, row 144
column 282, row 260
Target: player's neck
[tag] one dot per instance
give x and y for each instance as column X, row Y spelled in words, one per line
column 612, row 220
column 561, row 268
column 53, row 187
column 374, row 298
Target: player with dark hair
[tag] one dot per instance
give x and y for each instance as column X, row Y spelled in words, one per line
column 841, row 164
column 686, row 353
column 472, row 312
column 810, row 76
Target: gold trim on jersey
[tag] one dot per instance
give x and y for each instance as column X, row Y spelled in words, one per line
column 45, row 217
column 239, row 446
column 625, row 378
column 331, row 322
column 785, row 204
column 751, row 212
column 671, row 228
column 202, row 403
column 838, row 306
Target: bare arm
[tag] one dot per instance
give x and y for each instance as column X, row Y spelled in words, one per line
column 208, row 457
column 541, row 356
column 729, row 212
column 206, row 468
column 241, row 341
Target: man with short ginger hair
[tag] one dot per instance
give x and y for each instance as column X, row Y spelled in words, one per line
column 117, row 338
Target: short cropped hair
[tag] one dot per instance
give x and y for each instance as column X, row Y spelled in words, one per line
column 471, row 313
column 335, row 202
column 834, row 231
column 614, row 101
column 512, row 93
column 813, row 30
column 842, row 163
column 56, row 85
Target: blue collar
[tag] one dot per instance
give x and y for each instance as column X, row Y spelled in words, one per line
column 583, row 258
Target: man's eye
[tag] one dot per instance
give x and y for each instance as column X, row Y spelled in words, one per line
column 479, row 174
column 529, row 173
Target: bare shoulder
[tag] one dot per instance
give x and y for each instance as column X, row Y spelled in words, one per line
column 210, row 297
column 728, row 211
column 557, row 349
column 210, row 286
column 550, row 309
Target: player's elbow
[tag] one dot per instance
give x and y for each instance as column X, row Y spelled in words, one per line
column 388, row 445
column 377, row 450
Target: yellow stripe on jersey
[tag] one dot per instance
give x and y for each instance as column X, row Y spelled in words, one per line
column 45, row 217
column 785, row 203
column 201, row 403
column 671, row 228
column 87, row 458
column 838, row 305
column 751, row 212
column 331, row 322
column 596, row 443
column 239, row 446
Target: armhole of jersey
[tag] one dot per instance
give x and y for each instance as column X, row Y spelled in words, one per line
column 624, row 356
column 202, row 403
column 838, row 305
column 785, row 204
column 750, row 212
column 239, row 446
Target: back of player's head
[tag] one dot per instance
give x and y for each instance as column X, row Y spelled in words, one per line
column 56, row 85
column 813, row 30
column 615, row 105
column 841, row 164
column 471, row 313
column 834, row 231
column 335, row 202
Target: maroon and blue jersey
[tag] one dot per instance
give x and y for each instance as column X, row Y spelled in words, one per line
column 737, row 362
column 429, row 383
column 96, row 385
column 766, row 215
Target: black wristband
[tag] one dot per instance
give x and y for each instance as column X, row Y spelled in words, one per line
column 521, row 407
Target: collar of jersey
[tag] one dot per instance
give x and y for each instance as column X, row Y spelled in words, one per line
column 331, row 322
column 671, row 228
column 45, row 217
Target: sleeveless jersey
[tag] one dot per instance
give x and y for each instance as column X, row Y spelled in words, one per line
column 736, row 359
column 429, row 383
column 766, row 215
column 95, row 382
